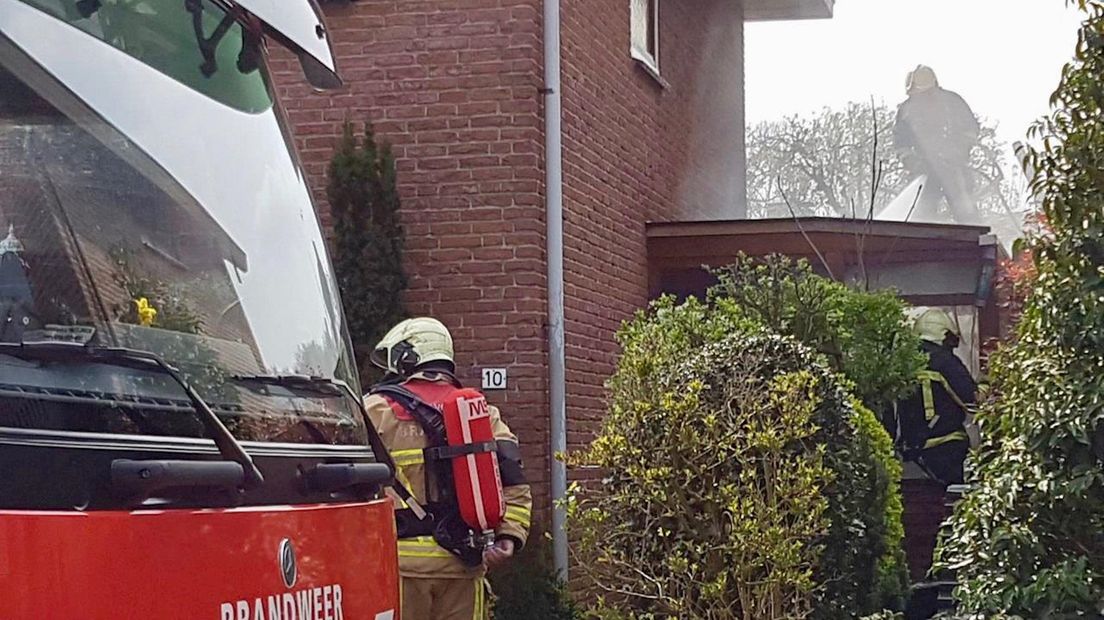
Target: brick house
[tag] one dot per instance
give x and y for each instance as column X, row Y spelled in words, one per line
column 652, row 130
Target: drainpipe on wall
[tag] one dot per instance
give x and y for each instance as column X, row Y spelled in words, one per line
column 553, row 189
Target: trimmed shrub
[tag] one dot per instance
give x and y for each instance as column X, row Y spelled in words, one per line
column 862, row 335
column 884, row 513
column 742, row 480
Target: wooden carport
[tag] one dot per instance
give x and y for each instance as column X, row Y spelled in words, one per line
column 927, row 264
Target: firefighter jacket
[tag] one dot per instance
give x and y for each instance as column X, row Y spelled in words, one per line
column 406, row 440
column 936, row 127
column 937, row 412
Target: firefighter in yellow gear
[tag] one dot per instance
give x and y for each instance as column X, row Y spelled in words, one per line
column 436, row 584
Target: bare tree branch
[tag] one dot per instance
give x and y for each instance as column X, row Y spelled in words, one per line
column 804, row 234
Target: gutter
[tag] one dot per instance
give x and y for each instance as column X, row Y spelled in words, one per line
column 553, row 188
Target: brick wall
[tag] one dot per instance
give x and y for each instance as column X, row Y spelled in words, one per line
column 453, row 85
column 629, row 142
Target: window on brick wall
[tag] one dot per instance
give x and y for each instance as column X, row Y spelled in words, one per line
column 645, row 32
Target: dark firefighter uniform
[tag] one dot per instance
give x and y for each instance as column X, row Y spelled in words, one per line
column 932, row 421
column 934, row 133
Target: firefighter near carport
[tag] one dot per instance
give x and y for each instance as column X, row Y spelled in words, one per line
column 471, row 506
column 932, row 423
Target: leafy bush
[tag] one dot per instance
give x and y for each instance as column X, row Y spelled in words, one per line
column 884, row 512
column 529, row 589
column 862, row 335
column 367, row 239
column 741, row 479
column 1029, row 538
column 174, row 325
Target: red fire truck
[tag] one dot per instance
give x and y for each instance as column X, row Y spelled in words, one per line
column 181, row 433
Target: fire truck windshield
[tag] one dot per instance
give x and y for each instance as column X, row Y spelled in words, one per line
column 150, row 200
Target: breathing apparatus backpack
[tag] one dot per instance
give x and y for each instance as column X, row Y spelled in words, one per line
column 461, row 460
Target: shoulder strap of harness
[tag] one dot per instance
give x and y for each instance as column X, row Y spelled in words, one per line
column 426, row 415
column 927, row 377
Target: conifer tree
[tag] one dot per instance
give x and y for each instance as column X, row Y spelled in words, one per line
column 367, row 239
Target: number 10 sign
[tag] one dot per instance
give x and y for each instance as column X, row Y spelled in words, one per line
column 494, row 378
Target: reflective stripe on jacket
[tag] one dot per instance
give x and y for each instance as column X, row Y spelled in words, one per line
column 939, row 410
column 927, row 379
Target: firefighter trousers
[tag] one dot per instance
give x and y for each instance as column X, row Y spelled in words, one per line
column 444, row 599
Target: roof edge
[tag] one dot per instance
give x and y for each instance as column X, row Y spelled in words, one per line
column 787, row 10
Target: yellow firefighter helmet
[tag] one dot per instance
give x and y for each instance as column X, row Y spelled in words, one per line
column 933, row 325
column 920, row 79
column 411, row 343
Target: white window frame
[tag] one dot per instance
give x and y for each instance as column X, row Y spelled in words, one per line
column 638, row 49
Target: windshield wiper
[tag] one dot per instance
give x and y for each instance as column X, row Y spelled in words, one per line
column 328, row 386
column 249, row 59
column 312, row 383
column 308, row 383
column 227, row 444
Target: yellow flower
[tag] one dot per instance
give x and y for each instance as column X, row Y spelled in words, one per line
column 146, row 312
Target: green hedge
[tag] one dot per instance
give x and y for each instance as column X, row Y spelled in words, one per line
column 743, row 480
column 862, row 335
column 1029, row 538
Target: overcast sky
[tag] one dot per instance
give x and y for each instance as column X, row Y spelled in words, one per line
column 1003, row 56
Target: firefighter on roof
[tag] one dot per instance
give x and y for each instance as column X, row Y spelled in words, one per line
column 933, row 421
column 462, row 465
column 934, row 133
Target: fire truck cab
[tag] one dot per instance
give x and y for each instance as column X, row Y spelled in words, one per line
column 181, row 432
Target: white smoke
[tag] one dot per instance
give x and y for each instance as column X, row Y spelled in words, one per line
column 713, row 185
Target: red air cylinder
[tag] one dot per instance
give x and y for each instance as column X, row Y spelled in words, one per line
column 478, row 483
